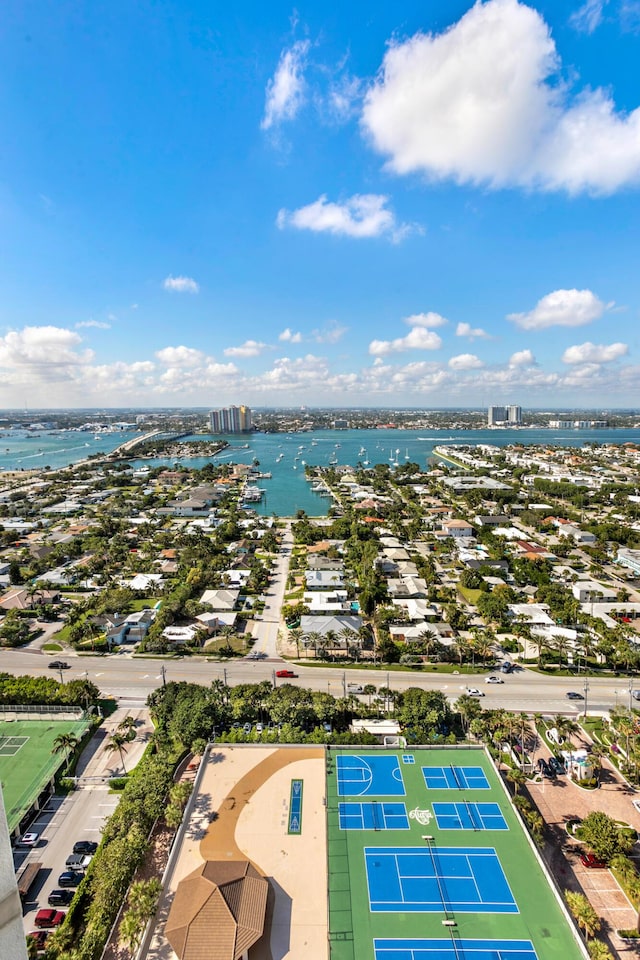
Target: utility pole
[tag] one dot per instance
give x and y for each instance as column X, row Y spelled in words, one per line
column 586, row 695
column 164, row 675
column 344, row 684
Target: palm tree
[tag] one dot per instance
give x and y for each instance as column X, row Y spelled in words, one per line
column 65, row 743
column 369, row 690
column 583, row 913
column 118, row 741
column 128, row 727
column 517, row 778
column 599, row 950
column 296, row 635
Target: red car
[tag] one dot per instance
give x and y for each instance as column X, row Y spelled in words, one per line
column 40, row 937
column 286, row 673
column 590, row 860
column 49, row 918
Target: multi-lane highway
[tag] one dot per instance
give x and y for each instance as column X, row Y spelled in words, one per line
column 130, row 678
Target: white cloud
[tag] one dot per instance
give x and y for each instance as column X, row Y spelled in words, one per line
column 250, row 348
column 180, row 284
column 522, row 358
column 588, row 17
column 286, row 90
column 417, row 339
column 332, row 333
column 288, row 336
column 481, row 103
column 180, row 357
column 344, row 98
column 594, row 353
column 562, row 308
column 465, row 361
column 98, row 324
column 428, row 320
column 363, row 215
column 472, row 333
column 46, row 348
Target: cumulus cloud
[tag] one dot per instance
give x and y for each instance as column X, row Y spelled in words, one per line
column 594, row 353
column 98, row 324
column 363, row 215
column 428, row 320
column 180, row 284
column 465, row 361
column 286, row 90
column 417, row 339
column 481, row 103
column 562, row 308
column 332, row 333
column 288, row 336
column 250, row 348
column 180, row 356
column 472, row 333
column 588, row 17
column 522, row 358
column 46, row 348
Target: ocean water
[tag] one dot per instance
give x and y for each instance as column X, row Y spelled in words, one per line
column 285, row 455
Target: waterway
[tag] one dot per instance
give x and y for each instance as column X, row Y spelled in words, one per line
column 285, row 455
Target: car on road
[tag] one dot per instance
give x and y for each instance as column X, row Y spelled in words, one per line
column 70, row 878
column 355, row 688
column 78, row 861
column 635, row 694
column 30, row 839
column 85, row 846
column 49, row 918
column 59, row 665
column 60, row 898
column 286, row 673
column 474, row 692
column 590, row 860
column 40, row 937
column 493, row 679
column 573, row 695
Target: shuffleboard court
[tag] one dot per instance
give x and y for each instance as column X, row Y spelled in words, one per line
column 295, row 807
column 454, row 950
column 455, row 778
column 379, row 775
column 373, row 816
column 469, row 816
column 419, row 880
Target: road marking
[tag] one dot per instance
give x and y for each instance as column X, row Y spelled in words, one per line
column 100, row 674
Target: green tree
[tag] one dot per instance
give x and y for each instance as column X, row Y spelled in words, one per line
column 599, row 950
column 65, row 743
column 583, row 913
column 601, row 834
column 118, row 741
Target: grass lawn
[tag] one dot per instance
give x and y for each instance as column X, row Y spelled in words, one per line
column 25, row 774
column 237, row 644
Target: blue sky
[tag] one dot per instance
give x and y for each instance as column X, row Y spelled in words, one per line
column 412, row 204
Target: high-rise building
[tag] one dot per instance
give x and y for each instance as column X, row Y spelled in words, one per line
column 12, row 941
column 231, row 420
column 510, row 416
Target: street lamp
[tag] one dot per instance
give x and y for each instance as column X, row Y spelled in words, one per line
column 586, row 694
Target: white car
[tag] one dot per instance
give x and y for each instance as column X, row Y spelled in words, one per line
column 28, row 840
column 474, row 692
column 493, row 679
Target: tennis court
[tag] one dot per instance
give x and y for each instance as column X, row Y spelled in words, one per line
column 469, row 816
column 27, row 763
column 378, row 774
column 455, row 778
column 437, row 879
column 373, row 816
column 454, row 949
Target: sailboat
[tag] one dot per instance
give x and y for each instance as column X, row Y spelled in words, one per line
column 406, row 455
column 366, row 460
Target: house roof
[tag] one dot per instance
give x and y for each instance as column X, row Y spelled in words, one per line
column 228, row 897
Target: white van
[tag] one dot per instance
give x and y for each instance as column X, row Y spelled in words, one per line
column 355, row 688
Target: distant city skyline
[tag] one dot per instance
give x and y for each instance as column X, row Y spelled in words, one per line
column 409, row 206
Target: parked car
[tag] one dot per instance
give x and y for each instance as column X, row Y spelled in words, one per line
column 85, row 846
column 493, row 679
column 49, row 918
column 30, row 839
column 574, row 695
column 474, row 692
column 556, row 765
column 40, row 937
column 286, row 673
column 506, row 666
column 60, row 898
column 70, row 878
column 59, row 665
column 590, row 860
column 543, row 766
column 259, row 727
column 247, row 728
column 78, row 861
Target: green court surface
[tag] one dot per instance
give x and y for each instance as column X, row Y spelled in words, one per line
column 433, row 862
column 26, row 761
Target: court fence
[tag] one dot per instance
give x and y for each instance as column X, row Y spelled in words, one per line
column 19, row 711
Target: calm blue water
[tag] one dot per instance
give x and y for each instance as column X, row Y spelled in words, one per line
column 283, row 455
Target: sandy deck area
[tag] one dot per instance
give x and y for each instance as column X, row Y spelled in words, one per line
column 242, row 809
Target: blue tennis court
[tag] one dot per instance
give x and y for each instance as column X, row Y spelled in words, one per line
column 377, row 775
column 434, row 879
column 455, row 778
column 445, row 950
column 469, row 816
column 373, row 816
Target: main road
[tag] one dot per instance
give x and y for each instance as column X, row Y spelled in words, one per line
column 131, row 679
